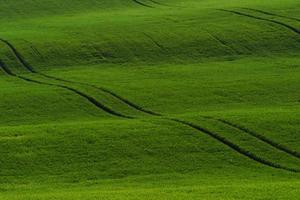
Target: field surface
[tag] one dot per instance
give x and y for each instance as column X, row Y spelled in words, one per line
column 149, row 99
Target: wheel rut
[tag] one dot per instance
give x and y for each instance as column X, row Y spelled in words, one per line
column 113, row 94
column 159, row 3
column 261, row 138
column 73, row 90
column 272, row 14
column 29, row 68
column 236, row 147
column 222, row 42
column 92, row 100
column 291, row 28
column 18, row 56
column 142, row 4
column 161, row 47
column 5, row 69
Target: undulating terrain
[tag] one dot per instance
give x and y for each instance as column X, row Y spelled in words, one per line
column 149, row 99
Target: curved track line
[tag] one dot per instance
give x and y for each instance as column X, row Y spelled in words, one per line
column 219, row 138
column 293, row 29
column 32, row 70
column 137, row 107
column 5, row 69
column 87, row 97
column 222, row 42
column 122, row 99
column 142, row 4
column 236, row 148
column 261, row 138
column 159, row 3
column 272, row 14
column 19, row 56
column 155, row 42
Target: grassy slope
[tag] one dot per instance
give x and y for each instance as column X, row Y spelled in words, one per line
column 185, row 63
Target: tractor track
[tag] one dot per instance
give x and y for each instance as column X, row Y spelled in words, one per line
column 161, row 47
column 29, row 68
column 261, row 138
column 5, row 69
column 92, row 100
column 293, row 29
column 272, row 14
column 19, row 56
column 87, row 97
column 143, row 4
column 122, row 99
column 236, row 147
column 222, row 43
column 159, row 3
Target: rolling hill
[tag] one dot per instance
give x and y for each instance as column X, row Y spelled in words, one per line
column 149, row 99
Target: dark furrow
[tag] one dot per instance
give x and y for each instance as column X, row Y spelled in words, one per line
column 137, row 107
column 165, row 4
column 5, row 69
column 19, row 56
column 262, row 138
column 142, row 4
column 159, row 3
column 223, row 43
column 34, row 49
column 26, row 64
column 155, row 42
column 36, row 52
column 272, row 14
column 122, row 99
column 108, row 110
column 293, row 29
column 236, row 148
column 87, row 97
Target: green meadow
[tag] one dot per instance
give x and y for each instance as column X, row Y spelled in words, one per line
column 149, row 99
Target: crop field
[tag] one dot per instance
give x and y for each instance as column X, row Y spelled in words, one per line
column 149, row 99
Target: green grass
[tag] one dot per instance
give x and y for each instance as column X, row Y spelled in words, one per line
column 71, row 70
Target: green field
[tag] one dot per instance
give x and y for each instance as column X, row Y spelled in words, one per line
column 149, row 99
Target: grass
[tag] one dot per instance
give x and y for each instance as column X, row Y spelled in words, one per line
column 130, row 100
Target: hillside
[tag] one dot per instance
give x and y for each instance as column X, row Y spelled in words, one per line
column 164, row 99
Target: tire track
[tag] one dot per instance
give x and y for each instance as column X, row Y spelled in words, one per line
column 36, row 52
column 161, row 47
column 133, row 105
column 159, row 3
column 272, row 14
column 142, row 4
column 19, row 56
column 78, row 92
column 236, row 147
column 219, row 138
column 223, row 43
column 261, row 138
column 293, row 29
column 5, row 69
column 122, row 99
